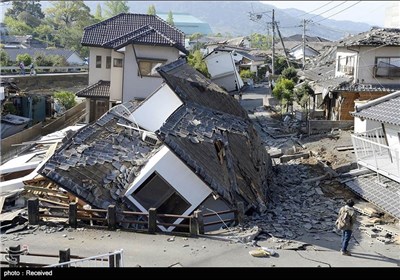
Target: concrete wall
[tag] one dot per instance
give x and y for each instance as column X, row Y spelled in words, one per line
column 51, row 81
column 321, row 126
column 393, row 136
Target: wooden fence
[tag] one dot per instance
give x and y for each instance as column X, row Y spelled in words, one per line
column 148, row 222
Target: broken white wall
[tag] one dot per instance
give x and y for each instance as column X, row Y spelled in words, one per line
column 97, row 74
column 178, row 175
column 393, row 135
column 221, row 66
column 136, row 86
column 364, row 125
column 153, row 112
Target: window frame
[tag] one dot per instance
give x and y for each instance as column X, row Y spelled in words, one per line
column 393, row 70
column 98, row 61
column 154, row 62
column 115, row 59
column 108, row 62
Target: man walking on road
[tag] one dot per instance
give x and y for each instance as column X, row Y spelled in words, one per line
column 345, row 222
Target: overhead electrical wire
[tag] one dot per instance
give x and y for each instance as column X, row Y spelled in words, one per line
column 315, row 9
column 338, row 12
column 328, row 10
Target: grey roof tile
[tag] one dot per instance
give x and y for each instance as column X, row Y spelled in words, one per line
column 127, row 28
column 101, row 89
column 385, row 109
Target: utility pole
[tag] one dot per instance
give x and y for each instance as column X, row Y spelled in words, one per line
column 304, row 43
column 273, row 42
column 283, row 45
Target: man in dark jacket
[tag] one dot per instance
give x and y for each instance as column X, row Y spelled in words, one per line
column 347, row 230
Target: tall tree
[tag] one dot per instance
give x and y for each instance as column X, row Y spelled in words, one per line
column 113, row 8
column 68, row 13
column 98, row 14
column 151, row 10
column 67, row 19
column 170, row 18
column 34, row 8
column 16, row 27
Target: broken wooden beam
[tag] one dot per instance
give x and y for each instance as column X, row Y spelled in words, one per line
column 286, row 158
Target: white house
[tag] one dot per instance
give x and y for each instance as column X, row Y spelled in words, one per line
column 125, row 50
column 222, row 68
column 378, row 149
column 297, row 52
column 366, row 67
column 187, row 146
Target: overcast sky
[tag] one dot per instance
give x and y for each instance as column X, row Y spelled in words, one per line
column 371, row 12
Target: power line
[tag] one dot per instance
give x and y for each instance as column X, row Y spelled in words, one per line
column 315, row 9
column 339, row 11
column 329, row 9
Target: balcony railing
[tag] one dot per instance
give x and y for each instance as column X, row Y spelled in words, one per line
column 349, row 70
column 372, row 152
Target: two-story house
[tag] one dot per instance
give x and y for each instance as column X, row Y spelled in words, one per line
column 376, row 143
column 125, row 50
column 188, row 146
column 366, row 66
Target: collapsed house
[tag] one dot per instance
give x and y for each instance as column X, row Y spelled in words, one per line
column 376, row 143
column 188, row 146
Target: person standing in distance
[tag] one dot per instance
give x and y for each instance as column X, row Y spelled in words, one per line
column 348, row 214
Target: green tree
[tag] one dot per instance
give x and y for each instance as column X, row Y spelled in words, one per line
column 29, row 19
column 16, row 27
column 25, row 58
column 283, row 91
column 195, row 59
column 247, row 74
column 290, row 73
column 259, row 41
column 44, row 33
column 4, row 58
column 66, row 98
column 151, row 10
column 303, row 94
column 280, row 64
column 98, row 15
column 34, row 8
column 68, row 19
column 113, row 8
column 170, row 18
column 195, row 37
column 68, row 14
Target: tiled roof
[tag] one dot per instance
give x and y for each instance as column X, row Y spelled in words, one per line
column 192, row 131
column 208, row 115
column 369, row 87
column 100, row 161
column 374, row 37
column 101, row 89
column 127, row 28
column 385, row 109
column 191, row 86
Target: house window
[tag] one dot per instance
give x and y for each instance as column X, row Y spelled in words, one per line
column 346, row 64
column 108, row 62
column 117, row 62
column 98, row 61
column 147, row 67
column 155, row 192
column 387, row 67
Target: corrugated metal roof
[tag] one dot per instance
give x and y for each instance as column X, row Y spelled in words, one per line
column 101, row 89
column 128, row 28
column 385, row 109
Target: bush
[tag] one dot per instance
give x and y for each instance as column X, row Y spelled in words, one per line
column 246, row 74
column 25, row 58
column 66, row 98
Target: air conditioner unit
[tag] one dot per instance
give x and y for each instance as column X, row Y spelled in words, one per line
column 150, row 138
